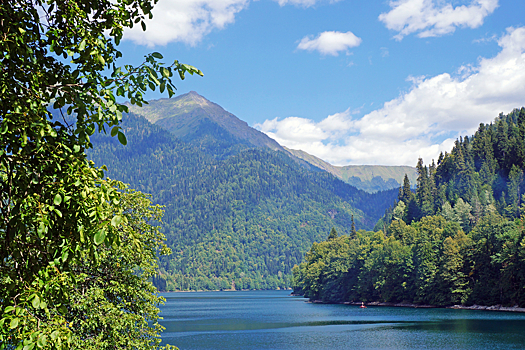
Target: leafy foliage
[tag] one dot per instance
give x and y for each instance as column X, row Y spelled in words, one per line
column 463, row 242
column 432, row 261
column 56, row 210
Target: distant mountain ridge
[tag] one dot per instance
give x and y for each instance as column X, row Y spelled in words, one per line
column 205, row 124
column 193, row 118
column 369, row 178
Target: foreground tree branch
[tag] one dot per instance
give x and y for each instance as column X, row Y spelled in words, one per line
column 59, row 219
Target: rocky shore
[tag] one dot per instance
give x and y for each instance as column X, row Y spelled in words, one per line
column 488, row 308
column 419, row 306
column 377, row 303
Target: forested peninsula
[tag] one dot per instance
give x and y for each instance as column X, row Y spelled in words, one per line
column 458, row 239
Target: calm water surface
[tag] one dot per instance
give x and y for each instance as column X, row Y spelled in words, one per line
column 275, row 320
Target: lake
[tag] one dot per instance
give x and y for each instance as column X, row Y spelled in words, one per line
column 276, row 320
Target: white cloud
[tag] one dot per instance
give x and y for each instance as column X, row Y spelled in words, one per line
column 188, row 21
column 421, row 122
column 329, row 43
column 434, row 18
column 185, row 21
column 303, row 3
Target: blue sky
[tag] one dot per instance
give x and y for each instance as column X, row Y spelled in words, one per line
column 352, row 82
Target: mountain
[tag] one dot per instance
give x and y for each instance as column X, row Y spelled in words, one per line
column 192, row 118
column 369, row 178
column 246, row 215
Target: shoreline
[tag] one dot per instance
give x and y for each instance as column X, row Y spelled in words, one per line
column 217, row 290
column 424, row 306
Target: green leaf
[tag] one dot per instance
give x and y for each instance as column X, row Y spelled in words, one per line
column 36, row 302
column 100, row 236
column 14, row 323
column 157, row 55
column 8, row 309
column 65, row 254
column 117, row 219
column 41, row 229
column 42, row 341
column 122, row 138
column 82, row 45
column 29, row 346
column 101, row 60
column 114, row 131
column 58, row 199
column 143, row 25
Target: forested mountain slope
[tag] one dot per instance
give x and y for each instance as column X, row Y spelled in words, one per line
column 192, row 118
column 245, row 219
column 369, row 178
column 457, row 240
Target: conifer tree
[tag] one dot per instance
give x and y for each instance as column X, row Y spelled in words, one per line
column 333, row 234
column 353, row 231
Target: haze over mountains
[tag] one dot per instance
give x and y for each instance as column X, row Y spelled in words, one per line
column 193, row 118
column 239, row 208
column 370, row 178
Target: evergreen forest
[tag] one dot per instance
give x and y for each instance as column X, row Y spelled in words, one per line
column 458, row 239
column 236, row 216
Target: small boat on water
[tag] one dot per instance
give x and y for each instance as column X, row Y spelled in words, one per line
column 363, row 305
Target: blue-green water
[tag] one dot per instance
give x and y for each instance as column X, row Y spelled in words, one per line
column 274, row 320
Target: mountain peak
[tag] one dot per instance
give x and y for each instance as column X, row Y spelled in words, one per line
column 198, row 99
column 191, row 116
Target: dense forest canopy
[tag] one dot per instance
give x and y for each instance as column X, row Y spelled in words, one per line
column 243, row 217
column 457, row 240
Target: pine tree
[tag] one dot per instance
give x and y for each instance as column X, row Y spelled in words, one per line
column 353, row 232
column 333, row 234
column 405, row 193
column 424, row 191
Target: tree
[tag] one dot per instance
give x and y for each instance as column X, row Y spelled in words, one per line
column 56, row 212
column 333, row 234
column 424, row 190
column 405, row 193
column 353, row 231
column 113, row 302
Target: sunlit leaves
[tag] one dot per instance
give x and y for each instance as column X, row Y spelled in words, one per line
column 54, row 205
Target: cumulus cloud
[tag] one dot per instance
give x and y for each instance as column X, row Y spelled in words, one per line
column 435, row 18
column 185, row 21
column 188, row 21
column 421, row 122
column 329, row 43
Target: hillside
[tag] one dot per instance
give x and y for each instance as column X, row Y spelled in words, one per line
column 457, row 240
column 192, row 118
column 247, row 218
column 369, row 178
